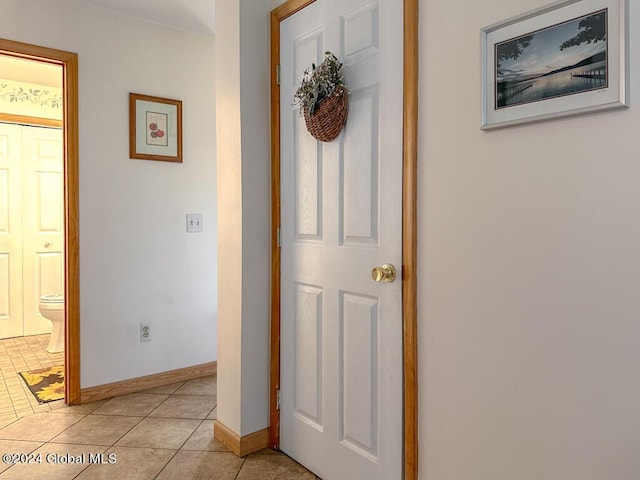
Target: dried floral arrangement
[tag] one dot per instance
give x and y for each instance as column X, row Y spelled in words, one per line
column 319, row 83
column 322, row 97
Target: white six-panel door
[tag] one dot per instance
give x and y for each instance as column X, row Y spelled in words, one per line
column 31, row 226
column 11, row 324
column 341, row 332
column 43, row 222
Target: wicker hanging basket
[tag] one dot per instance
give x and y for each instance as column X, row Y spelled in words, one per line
column 328, row 118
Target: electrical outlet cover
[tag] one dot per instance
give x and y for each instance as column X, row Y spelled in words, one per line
column 145, row 333
column 194, row 222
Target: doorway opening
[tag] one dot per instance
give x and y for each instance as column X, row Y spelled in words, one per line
column 39, row 291
column 31, row 245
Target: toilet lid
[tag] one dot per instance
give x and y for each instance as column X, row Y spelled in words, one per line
column 52, row 298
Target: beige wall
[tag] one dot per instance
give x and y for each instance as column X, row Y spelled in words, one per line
column 137, row 263
column 242, row 92
column 529, row 335
column 529, row 268
column 528, row 323
column 229, row 151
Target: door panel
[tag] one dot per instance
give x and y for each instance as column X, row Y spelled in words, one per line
column 359, row 170
column 31, row 226
column 5, row 291
column 43, row 224
column 358, row 366
column 341, row 333
column 308, row 355
column 10, row 231
column 308, row 184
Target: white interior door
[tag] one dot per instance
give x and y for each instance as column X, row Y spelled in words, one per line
column 11, row 324
column 31, row 226
column 341, row 332
column 43, row 222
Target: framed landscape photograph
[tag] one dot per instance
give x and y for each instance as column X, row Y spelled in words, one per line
column 155, row 128
column 569, row 58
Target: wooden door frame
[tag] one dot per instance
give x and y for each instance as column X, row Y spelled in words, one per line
column 409, row 229
column 69, row 63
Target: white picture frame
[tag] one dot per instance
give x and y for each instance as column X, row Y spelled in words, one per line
column 568, row 58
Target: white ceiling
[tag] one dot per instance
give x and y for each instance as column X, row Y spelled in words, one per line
column 191, row 15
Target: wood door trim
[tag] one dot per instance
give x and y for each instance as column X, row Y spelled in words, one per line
column 26, row 120
column 409, row 232
column 277, row 15
column 410, row 239
column 69, row 63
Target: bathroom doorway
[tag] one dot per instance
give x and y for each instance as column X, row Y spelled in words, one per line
column 51, row 253
column 32, row 238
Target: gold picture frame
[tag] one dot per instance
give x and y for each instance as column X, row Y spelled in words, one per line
column 155, row 128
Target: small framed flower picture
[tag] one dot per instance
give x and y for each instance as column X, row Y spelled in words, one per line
column 155, row 128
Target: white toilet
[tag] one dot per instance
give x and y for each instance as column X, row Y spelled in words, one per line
column 52, row 308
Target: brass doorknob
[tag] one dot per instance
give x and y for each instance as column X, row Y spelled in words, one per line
column 385, row 273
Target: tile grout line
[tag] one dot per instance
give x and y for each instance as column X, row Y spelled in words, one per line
column 244, row 460
column 179, row 449
column 111, row 444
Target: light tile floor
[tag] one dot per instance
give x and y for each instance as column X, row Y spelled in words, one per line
column 22, row 354
column 165, row 433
